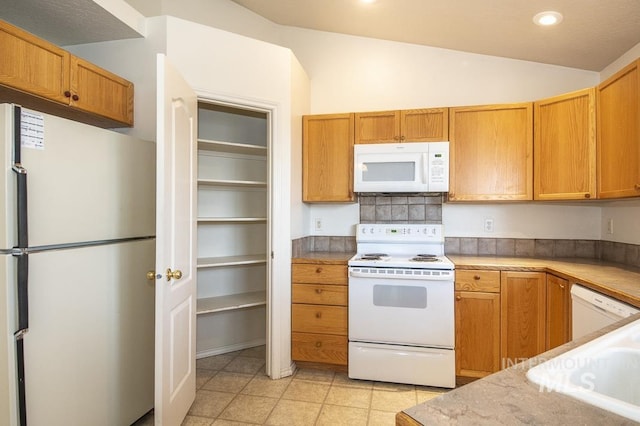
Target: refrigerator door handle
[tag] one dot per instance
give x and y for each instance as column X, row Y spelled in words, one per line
column 21, row 175
column 22, row 290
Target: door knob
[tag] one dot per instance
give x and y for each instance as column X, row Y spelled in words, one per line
column 176, row 275
column 151, row 275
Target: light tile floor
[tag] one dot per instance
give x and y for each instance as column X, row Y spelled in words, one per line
column 232, row 389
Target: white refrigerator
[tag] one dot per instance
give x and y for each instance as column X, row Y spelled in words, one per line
column 77, row 225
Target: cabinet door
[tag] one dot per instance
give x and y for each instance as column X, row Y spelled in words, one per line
column 477, row 333
column 32, row 65
column 327, row 158
column 565, row 147
column 377, row 127
column 491, row 150
column 100, row 92
column 424, row 125
column 558, row 330
column 522, row 315
column 619, row 134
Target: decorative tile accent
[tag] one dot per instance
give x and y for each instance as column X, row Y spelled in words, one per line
column 487, row 246
column 627, row 254
column 505, row 247
column 400, row 209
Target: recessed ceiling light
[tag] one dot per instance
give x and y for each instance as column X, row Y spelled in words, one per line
column 548, row 18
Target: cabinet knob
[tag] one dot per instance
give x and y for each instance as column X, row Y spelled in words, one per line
column 587, row 195
column 75, row 97
column 476, row 277
column 402, row 138
column 561, row 285
column 318, row 344
column 395, row 138
column 318, row 290
column 318, row 315
column 637, row 186
column 458, row 297
column 318, row 270
column 67, row 94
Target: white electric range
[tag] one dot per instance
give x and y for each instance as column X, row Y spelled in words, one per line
column 401, row 306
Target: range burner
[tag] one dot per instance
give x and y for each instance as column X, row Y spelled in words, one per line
column 424, row 258
column 373, row 256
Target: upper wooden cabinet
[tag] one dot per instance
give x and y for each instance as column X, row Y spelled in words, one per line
column 618, row 128
column 565, row 147
column 40, row 75
column 100, row 92
column 413, row 125
column 491, row 152
column 327, row 158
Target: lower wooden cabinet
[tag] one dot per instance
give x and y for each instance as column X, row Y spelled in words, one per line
column 523, row 308
column 477, row 312
column 504, row 317
column 558, row 322
column 319, row 313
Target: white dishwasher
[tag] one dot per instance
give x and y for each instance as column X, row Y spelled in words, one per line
column 593, row 311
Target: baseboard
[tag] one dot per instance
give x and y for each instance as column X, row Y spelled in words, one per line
column 230, row 348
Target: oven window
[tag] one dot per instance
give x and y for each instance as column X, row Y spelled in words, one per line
column 389, row 172
column 400, row 296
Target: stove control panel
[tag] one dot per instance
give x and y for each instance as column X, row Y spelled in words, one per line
column 379, row 232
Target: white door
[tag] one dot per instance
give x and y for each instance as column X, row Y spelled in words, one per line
column 175, row 370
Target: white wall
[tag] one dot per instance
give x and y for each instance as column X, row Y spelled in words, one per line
column 300, row 104
column 351, row 73
column 625, row 215
column 523, row 220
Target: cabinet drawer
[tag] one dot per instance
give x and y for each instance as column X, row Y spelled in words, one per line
column 318, row 273
column 319, row 294
column 323, row 348
column 319, row 319
column 473, row 280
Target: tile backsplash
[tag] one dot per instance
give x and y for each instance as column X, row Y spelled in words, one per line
column 428, row 209
column 401, row 209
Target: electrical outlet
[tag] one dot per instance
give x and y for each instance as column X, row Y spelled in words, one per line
column 488, row 225
column 318, row 225
column 610, row 226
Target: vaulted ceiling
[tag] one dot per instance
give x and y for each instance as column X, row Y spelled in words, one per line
column 592, row 35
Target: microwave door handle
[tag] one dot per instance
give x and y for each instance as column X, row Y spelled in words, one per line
column 425, row 168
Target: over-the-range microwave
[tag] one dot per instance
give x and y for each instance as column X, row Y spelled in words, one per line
column 401, row 167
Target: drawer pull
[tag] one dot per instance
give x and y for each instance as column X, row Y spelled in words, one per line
column 318, row 270
column 318, row 315
column 318, row 290
column 318, row 344
column 476, row 277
